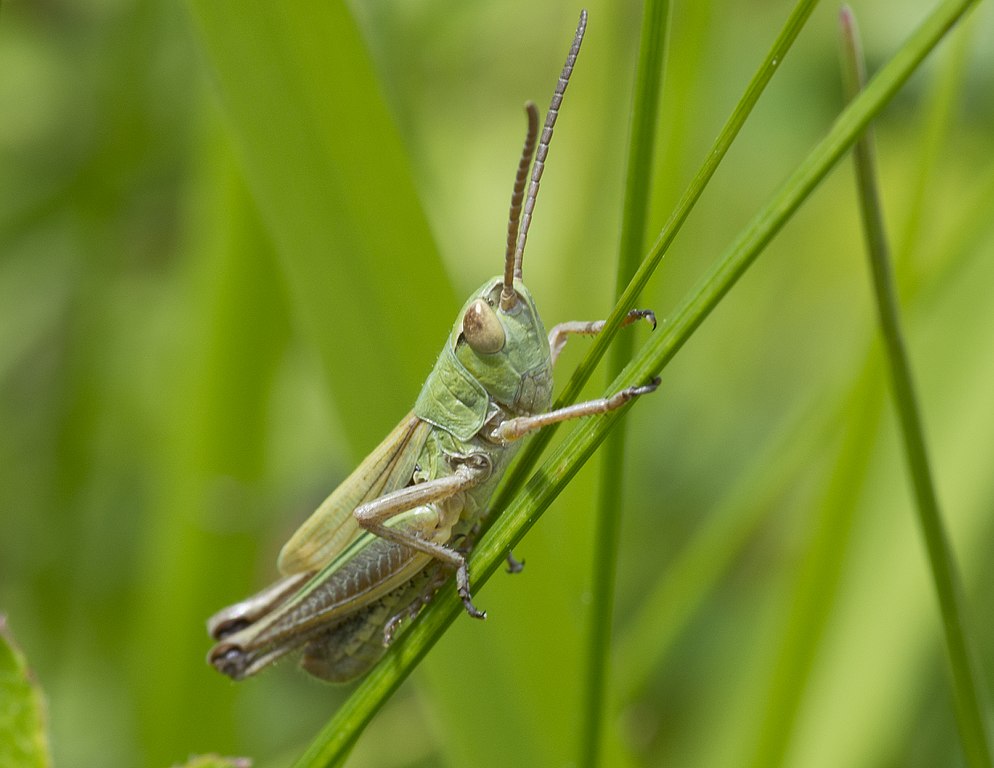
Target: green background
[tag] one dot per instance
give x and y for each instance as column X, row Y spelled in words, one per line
column 232, row 239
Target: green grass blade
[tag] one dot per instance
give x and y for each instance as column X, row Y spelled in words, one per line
column 216, row 761
column 939, row 111
column 679, row 591
column 645, row 108
column 682, row 588
column 23, row 740
column 661, row 348
column 333, row 185
column 967, row 679
column 333, row 743
column 817, row 582
column 213, row 452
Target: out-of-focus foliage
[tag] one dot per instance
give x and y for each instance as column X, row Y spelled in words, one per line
column 218, row 289
column 23, row 741
column 215, row 761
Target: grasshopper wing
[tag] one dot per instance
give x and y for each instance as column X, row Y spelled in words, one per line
column 332, row 527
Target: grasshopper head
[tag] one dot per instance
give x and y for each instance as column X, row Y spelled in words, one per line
column 505, row 350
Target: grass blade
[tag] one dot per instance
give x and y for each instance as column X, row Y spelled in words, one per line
column 645, row 108
column 23, row 739
column 820, row 572
column 967, row 685
column 330, row 177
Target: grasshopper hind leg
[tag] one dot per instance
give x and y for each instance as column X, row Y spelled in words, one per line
column 430, row 589
column 235, row 617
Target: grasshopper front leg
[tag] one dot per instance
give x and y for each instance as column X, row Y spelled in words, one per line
column 560, row 334
column 374, row 515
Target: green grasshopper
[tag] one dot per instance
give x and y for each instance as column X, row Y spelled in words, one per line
column 384, row 541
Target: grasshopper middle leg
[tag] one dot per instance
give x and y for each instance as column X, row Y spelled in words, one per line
column 374, row 515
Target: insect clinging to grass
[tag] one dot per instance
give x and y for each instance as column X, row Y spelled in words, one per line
column 385, row 540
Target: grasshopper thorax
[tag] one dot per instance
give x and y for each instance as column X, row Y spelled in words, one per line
column 506, row 372
column 492, row 356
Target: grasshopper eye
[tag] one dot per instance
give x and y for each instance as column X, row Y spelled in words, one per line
column 481, row 328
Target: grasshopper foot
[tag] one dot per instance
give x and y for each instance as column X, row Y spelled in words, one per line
column 462, row 585
column 513, row 564
column 645, row 389
column 390, row 628
column 638, row 314
column 630, row 393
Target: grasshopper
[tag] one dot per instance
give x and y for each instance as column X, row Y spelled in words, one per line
column 381, row 545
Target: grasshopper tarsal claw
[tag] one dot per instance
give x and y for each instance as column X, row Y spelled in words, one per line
column 560, row 333
column 397, row 619
column 638, row 314
column 462, row 585
column 645, row 389
column 513, row 564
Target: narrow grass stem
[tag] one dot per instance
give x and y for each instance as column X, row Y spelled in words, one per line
column 967, row 685
column 641, row 145
column 940, row 107
column 819, row 573
column 680, row 589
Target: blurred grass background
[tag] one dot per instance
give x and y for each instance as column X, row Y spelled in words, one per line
column 232, row 239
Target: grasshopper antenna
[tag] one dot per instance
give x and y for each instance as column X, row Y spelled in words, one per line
column 543, row 144
column 508, row 298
